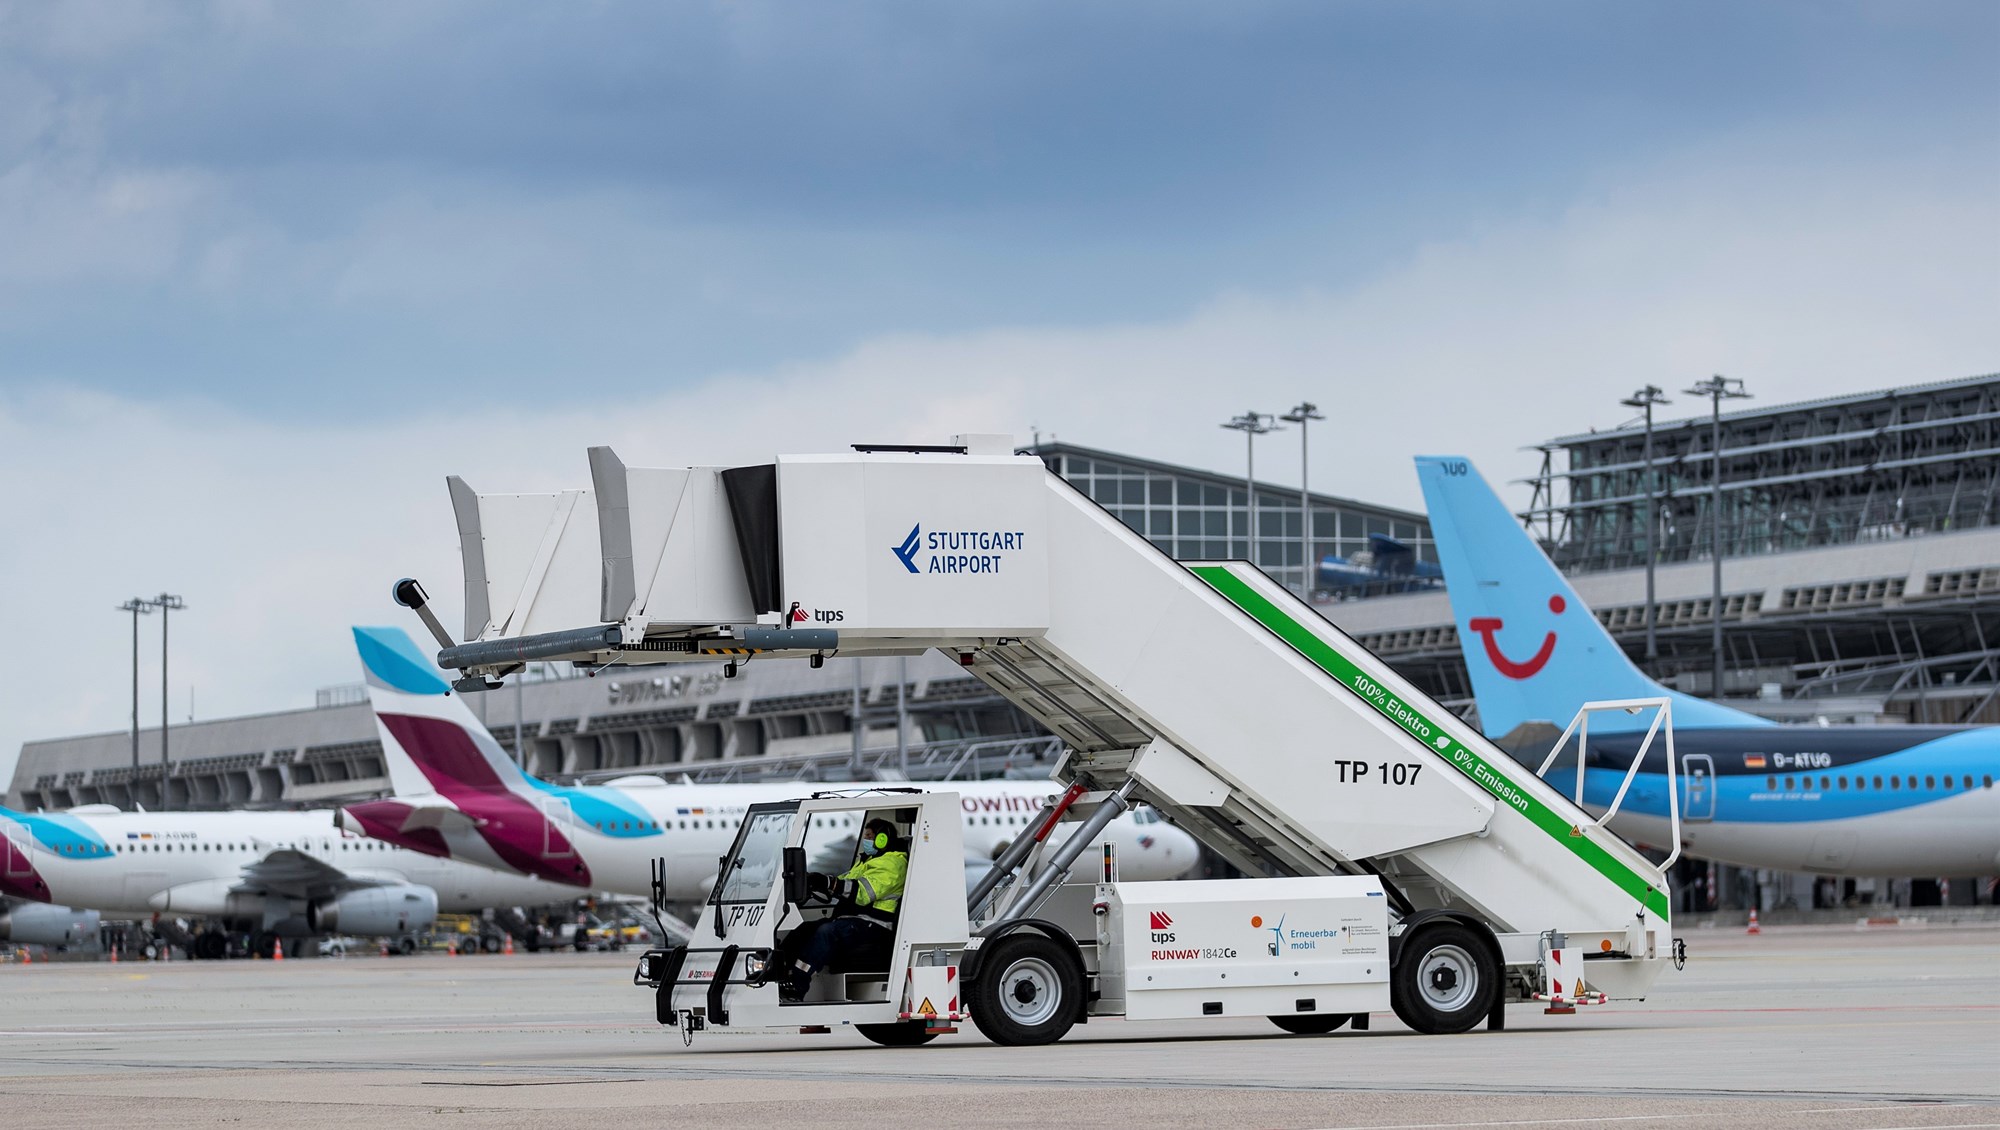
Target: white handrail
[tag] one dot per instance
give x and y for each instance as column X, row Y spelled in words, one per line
column 1662, row 720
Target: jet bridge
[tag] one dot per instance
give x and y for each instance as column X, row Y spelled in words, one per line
column 1206, row 690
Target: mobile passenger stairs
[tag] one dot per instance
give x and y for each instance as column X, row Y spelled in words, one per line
column 1406, row 861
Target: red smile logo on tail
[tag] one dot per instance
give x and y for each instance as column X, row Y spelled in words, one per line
column 1487, row 625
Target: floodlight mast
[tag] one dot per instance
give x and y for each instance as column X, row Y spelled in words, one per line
column 165, row 602
column 138, row 606
column 1717, row 389
column 1644, row 400
column 1252, row 425
column 1303, row 414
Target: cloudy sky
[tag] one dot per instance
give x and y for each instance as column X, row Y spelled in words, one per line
column 269, row 272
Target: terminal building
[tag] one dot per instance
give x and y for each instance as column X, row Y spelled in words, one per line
column 1861, row 582
column 772, row 720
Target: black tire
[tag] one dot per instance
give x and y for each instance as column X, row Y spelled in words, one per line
column 1311, row 1024
column 901, row 1034
column 1445, row 980
column 406, row 945
column 264, row 945
column 490, row 944
column 1028, row 991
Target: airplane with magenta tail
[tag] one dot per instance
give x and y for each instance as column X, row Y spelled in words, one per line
column 459, row 796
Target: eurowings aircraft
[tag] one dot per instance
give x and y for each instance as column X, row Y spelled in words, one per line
column 279, row 874
column 459, row 796
column 1835, row 800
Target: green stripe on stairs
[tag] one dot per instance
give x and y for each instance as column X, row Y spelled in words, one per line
column 1457, row 754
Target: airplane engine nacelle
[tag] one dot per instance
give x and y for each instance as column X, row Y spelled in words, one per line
column 42, row 924
column 403, row 908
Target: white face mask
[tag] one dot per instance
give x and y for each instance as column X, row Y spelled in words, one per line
column 868, row 848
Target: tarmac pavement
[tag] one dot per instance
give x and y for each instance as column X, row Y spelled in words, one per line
column 1798, row 1027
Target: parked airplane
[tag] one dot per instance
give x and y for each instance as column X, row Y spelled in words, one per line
column 278, row 874
column 458, row 795
column 1387, row 565
column 1836, row 800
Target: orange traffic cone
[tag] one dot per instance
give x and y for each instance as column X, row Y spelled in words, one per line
column 114, row 955
column 507, row 947
column 1754, row 928
column 278, row 950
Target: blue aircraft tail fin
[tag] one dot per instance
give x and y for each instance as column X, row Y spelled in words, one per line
column 1533, row 649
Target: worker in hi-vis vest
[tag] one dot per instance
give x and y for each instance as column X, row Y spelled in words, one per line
column 861, row 932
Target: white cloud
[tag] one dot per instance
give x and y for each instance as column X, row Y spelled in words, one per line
column 281, row 535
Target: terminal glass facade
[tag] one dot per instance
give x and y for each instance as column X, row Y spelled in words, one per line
column 1201, row 516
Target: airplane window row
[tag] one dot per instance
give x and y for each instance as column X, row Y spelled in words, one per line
column 345, row 845
column 1896, row 784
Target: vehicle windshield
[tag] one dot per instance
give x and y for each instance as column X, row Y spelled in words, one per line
column 759, row 852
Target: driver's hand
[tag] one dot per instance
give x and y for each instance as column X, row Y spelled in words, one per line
column 818, row 884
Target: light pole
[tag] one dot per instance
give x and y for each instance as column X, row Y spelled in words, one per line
column 1644, row 400
column 1303, row 414
column 1717, row 388
column 138, row 607
column 1252, row 425
column 165, row 602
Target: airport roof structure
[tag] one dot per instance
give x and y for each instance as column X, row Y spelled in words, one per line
column 1877, row 466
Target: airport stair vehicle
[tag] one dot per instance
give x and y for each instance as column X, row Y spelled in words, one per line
column 1205, row 690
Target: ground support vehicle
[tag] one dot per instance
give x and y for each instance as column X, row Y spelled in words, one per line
column 1310, row 952
column 1206, row 690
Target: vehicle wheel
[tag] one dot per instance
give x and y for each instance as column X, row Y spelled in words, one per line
column 902, row 1034
column 264, row 945
column 406, row 945
column 490, row 944
column 1028, row 990
column 1311, row 1024
column 212, row 947
column 1445, row 980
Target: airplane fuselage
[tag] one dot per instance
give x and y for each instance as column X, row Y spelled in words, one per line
column 1837, row 800
column 136, row 864
column 610, row 835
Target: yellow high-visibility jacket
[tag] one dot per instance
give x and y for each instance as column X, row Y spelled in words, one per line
column 878, row 881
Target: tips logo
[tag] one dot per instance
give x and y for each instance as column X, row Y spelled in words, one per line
column 1161, row 921
column 907, row 552
column 1486, row 626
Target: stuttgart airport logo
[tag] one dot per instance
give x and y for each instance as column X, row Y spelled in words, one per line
column 959, row 551
column 1486, row 626
column 907, row 552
